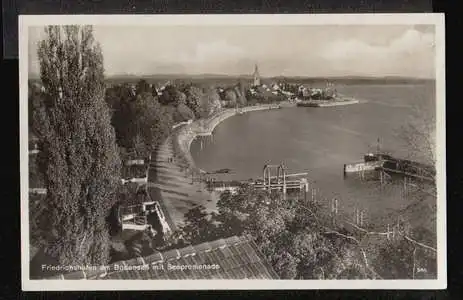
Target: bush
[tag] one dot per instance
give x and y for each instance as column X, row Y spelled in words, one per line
column 183, row 113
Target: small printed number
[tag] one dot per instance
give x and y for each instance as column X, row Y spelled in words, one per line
column 420, row 270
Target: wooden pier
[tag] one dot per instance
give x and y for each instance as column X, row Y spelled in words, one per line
column 268, row 182
column 387, row 166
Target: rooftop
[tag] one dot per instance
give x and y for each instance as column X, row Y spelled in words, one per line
column 230, row 258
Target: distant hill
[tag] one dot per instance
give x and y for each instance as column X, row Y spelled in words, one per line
column 295, row 79
column 355, row 80
column 230, row 79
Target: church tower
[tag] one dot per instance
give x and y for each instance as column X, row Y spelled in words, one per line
column 256, row 76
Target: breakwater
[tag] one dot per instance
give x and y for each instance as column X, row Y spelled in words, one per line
column 327, row 103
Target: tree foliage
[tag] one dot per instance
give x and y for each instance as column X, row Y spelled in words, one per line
column 147, row 121
column 419, row 137
column 140, row 121
column 120, row 99
column 210, row 103
column 193, row 99
column 171, row 95
column 183, row 113
column 287, row 236
column 230, row 97
column 241, row 93
column 395, row 260
column 79, row 155
column 142, row 87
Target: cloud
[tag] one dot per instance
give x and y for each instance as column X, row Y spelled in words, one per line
column 219, row 50
column 410, row 54
column 411, row 41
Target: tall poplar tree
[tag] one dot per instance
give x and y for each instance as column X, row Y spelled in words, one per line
column 79, row 157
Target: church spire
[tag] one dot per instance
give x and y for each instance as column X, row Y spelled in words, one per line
column 256, row 76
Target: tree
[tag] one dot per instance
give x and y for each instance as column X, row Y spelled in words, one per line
column 148, row 121
column 183, row 113
column 395, row 260
column 120, row 99
column 35, row 98
column 287, row 236
column 139, row 146
column 210, row 103
column 193, row 99
column 168, row 112
column 419, row 139
column 241, row 93
column 172, row 96
column 179, row 99
column 142, row 87
column 285, row 264
column 230, row 97
column 81, row 164
column 199, row 227
column 419, row 136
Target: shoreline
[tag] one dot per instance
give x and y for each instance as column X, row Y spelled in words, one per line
column 185, row 136
column 174, row 185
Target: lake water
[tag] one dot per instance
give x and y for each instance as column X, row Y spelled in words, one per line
column 320, row 141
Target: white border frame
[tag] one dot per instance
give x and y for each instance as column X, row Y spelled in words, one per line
column 208, row 20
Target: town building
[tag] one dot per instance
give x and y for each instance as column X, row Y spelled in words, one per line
column 256, row 76
column 135, row 209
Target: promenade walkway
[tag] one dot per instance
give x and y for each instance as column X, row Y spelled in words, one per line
column 169, row 184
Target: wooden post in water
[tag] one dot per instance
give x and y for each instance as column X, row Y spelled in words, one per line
column 405, row 186
column 388, row 231
column 306, row 190
column 334, row 210
column 269, row 180
column 284, row 181
column 361, row 218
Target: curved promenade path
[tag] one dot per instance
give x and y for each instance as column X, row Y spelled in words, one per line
column 173, row 187
column 171, row 182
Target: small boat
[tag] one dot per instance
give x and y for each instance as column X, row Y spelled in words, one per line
column 221, row 171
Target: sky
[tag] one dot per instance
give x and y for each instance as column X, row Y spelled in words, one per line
column 305, row 50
